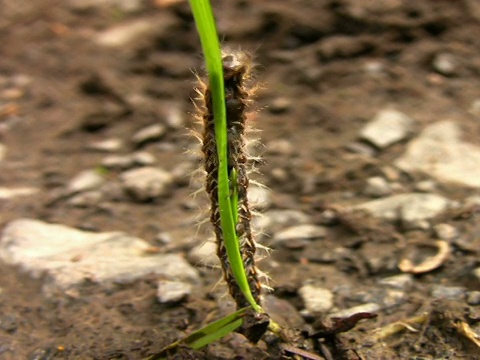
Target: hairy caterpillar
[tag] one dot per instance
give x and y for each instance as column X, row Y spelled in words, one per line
column 237, row 67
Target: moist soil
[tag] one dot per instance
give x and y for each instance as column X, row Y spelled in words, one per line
column 325, row 68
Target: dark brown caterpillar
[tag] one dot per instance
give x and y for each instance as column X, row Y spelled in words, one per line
column 237, row 67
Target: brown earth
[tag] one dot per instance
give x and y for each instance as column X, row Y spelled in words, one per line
column 334, row 63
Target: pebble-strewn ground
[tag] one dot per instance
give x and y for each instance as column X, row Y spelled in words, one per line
column 369, row 114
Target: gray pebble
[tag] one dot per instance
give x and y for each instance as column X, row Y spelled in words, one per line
column 147, row 183
column 149, row 133
column 316, row 299
column 67, row 256
column 273, row 221
column 204, row 255
column 388, row 127
column 172, row 291
column 401, row 281
column 302, row 232
column 448, row 292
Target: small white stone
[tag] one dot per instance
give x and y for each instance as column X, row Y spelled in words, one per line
column 143, row 158
column 445, row 232
column 149, row 133
column 280, row 147
column 365, row 308
column 476, row 273
column 259, row 197
column 273, row 221
column 439, row 152
column 126, row 33
column 9, row 193
column 445, row 64
column 401, row 281
column 3, row 151
column 172, row 291
column 204, row 255
column 147, row 183
column 412, row 209
column 388, row 127
column 109, row 145
column 475, row 107
column 86, row 180
column 377, row 186
column 426, row 186
column 316, row 299
column 306, row 231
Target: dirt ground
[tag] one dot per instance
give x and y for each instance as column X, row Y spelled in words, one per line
column 327, row 67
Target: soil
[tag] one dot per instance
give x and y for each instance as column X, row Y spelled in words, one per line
column 326, row 68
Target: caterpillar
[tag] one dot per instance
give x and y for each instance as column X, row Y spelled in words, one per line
column 237, row 69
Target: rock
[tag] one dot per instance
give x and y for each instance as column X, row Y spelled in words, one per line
column 126, row 33
column 476, row 273
column 365, row 308
column 414, row 214
column 316, row 299
column 445, row 232
column 175, row 117
column 148, row 134
column 280, row 147
column 141, row 158
column 86, row 199
column 282, row 312
column 108, row 145
column 393, row 297
column 86, row 180
column 3, row 151
column 280, row 105
column 273, row 221
column 147, row 183
column 302, row 232
column 169, row 292
column 475, row 107
column 204, row 255
column 401, row 281
column 439, row 152
column 426, row 186
column 360, row 148
column 387, row 128
column 9, row 193
column 69, row 257
column 377, row 186
column 259, row 197
column 473, row 298
column 445, row 64
column 413, row 209
column 448, row 292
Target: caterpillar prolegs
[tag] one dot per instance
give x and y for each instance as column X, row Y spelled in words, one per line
column 237, row 68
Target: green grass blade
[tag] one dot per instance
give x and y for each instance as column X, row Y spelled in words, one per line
column 207, row 31
column 206, row 335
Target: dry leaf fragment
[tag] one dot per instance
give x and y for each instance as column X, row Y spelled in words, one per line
column 430, row 263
